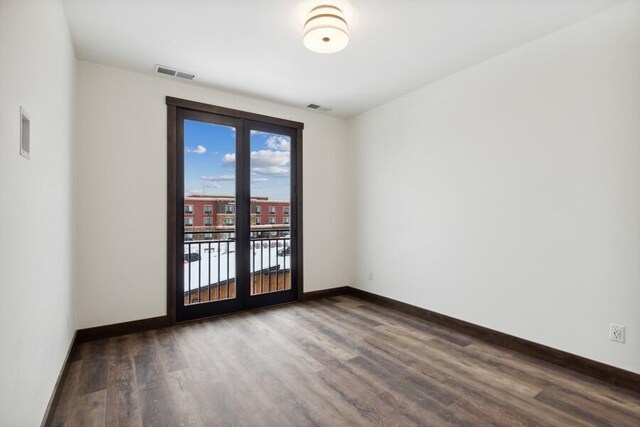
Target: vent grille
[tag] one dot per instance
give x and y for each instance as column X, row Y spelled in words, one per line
column 187, row 76
column 318, row 107
column 161, row 69
column 167, row 71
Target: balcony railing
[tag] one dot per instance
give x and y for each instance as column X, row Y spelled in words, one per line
column 210, row 264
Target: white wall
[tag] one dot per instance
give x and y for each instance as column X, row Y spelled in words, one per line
column 37, row 67
column 122, row 139
column 511, row 191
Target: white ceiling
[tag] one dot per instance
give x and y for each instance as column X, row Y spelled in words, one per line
column 255, row 46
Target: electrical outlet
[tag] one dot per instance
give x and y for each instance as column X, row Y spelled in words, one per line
column 616, row 333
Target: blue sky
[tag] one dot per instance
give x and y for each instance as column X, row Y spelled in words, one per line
column 209, row 161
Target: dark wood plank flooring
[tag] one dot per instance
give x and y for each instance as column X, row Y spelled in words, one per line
column 338, row 361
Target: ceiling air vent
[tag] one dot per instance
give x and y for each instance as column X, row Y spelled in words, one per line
column 173, row 72
column 318, row 107
column 187, row 76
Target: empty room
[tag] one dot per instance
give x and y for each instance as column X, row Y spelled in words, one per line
column 319, row 213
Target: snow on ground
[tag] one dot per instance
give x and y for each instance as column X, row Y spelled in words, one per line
column 214, row 252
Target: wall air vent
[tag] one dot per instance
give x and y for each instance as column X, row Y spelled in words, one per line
column 318, row 107
column 173, row 72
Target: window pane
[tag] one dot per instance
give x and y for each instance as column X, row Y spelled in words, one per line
column 210, row 187
column 270, row 165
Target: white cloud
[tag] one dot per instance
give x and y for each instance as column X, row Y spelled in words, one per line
column 279, row 143
column 272, row 170
column 268, row 162
column 259, row 132
column 264, row 158
column 213, row 185
column 229, row 159
column 264, row 162
column 198, row 150
column 218, row 178
column 259, row 179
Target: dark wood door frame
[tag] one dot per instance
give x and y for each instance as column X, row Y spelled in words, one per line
column 175, row 209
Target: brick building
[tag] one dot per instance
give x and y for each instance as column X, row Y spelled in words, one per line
column 218, row 213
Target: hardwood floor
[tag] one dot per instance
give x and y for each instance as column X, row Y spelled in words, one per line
column 338, row 361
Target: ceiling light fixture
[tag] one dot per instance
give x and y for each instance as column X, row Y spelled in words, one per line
column 326, row 30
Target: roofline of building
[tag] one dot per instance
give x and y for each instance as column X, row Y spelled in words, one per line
column 214, row 198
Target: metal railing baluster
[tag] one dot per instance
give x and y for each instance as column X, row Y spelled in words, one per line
column 189, row 260
column 253, row 267
column 200, row 272
column 277, row 264
column 269, row 268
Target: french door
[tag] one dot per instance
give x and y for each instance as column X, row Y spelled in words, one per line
column 237, row 203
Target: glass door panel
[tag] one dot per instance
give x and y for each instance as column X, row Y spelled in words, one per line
column 210, row 216
column 270, row 192
column 207, row 185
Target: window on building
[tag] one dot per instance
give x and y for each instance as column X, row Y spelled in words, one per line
column 208, row 221
column 208, row 236
column 229, row 209
column 272, row 210
column 188, row 236
column 258, row 221
column 272, row 220
column 228, row 221
column 208, row 209
column 258, row 210
column 188, row 209
column 286, row 220
column 188, row 221
column 285, row 210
